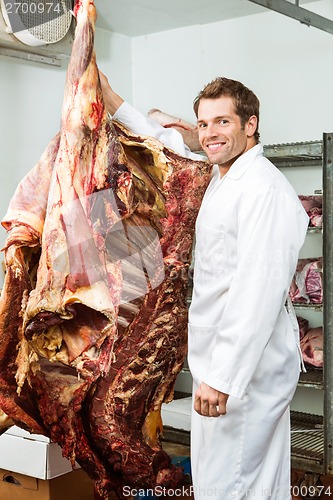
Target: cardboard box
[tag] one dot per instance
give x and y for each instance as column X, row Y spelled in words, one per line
column 17, row 431
column 74, row 485
column 177, row 414
column 32, row 455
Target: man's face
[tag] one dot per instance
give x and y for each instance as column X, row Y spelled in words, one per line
column 221, row 134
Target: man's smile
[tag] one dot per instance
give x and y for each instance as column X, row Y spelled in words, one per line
column 215, row 146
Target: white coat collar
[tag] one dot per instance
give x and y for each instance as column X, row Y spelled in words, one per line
column 242, row 163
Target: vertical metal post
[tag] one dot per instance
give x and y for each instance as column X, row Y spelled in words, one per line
column 328, row 298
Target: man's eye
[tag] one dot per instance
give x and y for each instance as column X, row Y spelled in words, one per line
column 223, row 122
column 202, row 125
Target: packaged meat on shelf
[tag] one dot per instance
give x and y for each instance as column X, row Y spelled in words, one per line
column 313, row 205
column 307, row 287
column 308, row 166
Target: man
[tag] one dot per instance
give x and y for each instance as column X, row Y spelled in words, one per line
column 243, row 340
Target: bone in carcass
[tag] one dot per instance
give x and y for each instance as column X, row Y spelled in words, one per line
column 186, row 129
column 306, row 286
column 93, row 323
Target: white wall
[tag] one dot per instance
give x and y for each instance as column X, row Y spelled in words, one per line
column 287, row 64
column 31, row 103
column 114, row 57
column 30, row 116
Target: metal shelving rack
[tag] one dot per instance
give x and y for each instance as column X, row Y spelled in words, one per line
column 312, row 435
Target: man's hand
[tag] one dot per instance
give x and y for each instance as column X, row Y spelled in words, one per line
column 112, row 100
column 209, row 402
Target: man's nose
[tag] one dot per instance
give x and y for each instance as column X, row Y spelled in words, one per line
column 211, row 129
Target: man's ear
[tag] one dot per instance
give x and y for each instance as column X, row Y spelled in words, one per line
column 251, row 126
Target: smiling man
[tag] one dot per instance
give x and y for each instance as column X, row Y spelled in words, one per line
column 226, row 130
column 243, row 335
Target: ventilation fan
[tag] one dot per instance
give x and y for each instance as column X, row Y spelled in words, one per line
column 37, row 22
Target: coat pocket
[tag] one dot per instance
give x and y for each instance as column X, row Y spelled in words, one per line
column 209, row 251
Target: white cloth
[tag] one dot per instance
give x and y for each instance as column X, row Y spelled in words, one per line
column 242, row 340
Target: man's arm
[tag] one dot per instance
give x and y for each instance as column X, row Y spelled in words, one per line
column 112, row 100
column 139, row 124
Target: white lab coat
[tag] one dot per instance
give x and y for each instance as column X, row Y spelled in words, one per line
column 242, row 339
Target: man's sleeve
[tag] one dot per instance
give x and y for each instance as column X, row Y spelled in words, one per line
column 139, row 124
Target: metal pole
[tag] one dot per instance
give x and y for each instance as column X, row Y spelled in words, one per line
column 328, row 298
column 294, row 11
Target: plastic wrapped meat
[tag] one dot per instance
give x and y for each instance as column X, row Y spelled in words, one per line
column 313, row 205
column 312, row 347
column 306, row 286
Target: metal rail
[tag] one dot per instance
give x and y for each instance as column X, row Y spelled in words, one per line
column 294, row 11
column 328, row 298
column 311, row 378
column 297, row 154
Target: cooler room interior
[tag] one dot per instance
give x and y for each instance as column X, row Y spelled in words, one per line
column 159, row 55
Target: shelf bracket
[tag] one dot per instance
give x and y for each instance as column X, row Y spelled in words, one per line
column 294, row 11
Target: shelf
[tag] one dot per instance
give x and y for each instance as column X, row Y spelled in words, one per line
column 307, row 442
column 311, row 378
column 313, row 307
column 298, row 154
column 313, row 229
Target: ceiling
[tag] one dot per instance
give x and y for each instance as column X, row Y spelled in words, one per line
column 141, row 17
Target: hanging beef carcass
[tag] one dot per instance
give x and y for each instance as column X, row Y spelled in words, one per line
column 93, row 310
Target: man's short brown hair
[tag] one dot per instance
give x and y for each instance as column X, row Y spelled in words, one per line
column 246, row 102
